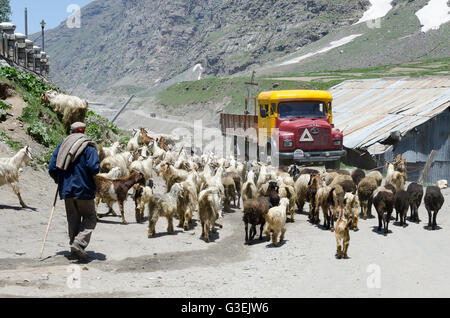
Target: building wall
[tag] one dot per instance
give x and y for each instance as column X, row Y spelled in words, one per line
column 417, row 145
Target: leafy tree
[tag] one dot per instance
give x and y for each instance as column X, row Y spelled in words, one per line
column 5, row 10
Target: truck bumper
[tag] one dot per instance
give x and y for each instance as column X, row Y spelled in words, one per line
column 314, row 156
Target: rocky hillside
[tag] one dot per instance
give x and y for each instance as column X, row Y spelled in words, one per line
column 128, row 45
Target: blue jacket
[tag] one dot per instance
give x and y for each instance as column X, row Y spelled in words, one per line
column 77, row 182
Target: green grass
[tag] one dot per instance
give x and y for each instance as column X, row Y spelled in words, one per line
column 215, row 90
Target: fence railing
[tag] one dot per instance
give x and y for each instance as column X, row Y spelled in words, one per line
column 15, row 47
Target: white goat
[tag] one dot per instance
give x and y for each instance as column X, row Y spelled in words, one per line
column 276, row 221
column 9, row 170
column 71, row 108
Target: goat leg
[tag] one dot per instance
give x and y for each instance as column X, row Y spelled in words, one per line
column 434, row 220
column 261, row 232
column 429, row 219
column 122, row 212
column 246, row 233
column 170, row 226
column 283, row 231
column 16, row 190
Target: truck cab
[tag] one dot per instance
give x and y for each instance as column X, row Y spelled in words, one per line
column 297, row 126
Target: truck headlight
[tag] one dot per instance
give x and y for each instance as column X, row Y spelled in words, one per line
column 288, row 143
column 337, row 142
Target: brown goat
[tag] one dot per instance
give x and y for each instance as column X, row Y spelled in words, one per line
column 400, row 166
column 110, row 191
column 313, row 187
column 342, row 232
column 145, row 139
column 254, row 214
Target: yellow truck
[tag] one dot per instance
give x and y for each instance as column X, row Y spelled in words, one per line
column 296, row 126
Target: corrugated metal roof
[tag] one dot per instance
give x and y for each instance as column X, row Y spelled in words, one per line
column 369, row 110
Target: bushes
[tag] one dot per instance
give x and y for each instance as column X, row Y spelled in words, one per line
column 100, row 129
column 4, row 106
column 28, row 81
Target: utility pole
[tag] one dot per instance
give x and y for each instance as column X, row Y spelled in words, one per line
column 26, row 22
column 43, row 26
column 250, row 93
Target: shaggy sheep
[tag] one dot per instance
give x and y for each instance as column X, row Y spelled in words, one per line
column 230, row 191
column 397, row 179
column 325, row 198
column 339, row 171
column 276, row 221
column 208, row 210
column 353, row 208
column 110, row 191
column 238, row 186
column 272, row 194
column 301, row 189
column 415, row 192
column 342, row 232
column 249, row 188
column 121, row 160
column 340, row 194
column 329, row 177
column 171, row 175
column 186, row 202
column 254, row 214
column 377, row 176
column 348, row 186
column 144, row 166
column 366, row 187
column 162, row 205
column 313, row 186
column 142, row 197
column 133, row 144
column 433, row 203
column 401, row 206
column 9, row 170
column 104, row 152
column 400, row 166
column 358, row 175
column 115, row 173
column 70, row 108
column 341, row 178
column 383, row 200
column 288, row 191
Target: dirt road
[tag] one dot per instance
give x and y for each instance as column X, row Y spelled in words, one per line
column 411, row 261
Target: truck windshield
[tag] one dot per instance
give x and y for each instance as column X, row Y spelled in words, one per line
column 290, row 110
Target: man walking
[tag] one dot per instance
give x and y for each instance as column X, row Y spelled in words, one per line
column 73, row 167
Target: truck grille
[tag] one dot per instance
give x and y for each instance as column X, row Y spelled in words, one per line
column 321, row 139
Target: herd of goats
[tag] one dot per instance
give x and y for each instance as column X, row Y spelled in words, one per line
column 210, row 185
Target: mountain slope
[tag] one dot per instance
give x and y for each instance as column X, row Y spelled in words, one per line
column 396, row 38
column 128, row 45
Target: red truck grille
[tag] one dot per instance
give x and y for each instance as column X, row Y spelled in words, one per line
column 321, row 138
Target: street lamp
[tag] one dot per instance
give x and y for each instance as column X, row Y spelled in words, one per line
column 43, row 26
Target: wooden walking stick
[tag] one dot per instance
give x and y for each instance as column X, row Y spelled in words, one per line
column 49, row 221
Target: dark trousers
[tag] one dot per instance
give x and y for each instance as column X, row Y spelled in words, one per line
column 81, row 219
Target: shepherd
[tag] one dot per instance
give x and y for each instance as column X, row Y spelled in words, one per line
column 73, row 166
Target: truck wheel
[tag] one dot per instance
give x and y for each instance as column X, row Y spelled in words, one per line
column 336, row 164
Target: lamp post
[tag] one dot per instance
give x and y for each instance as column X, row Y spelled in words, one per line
column 43, row 26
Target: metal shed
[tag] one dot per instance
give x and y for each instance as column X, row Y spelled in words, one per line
column 385, row 117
